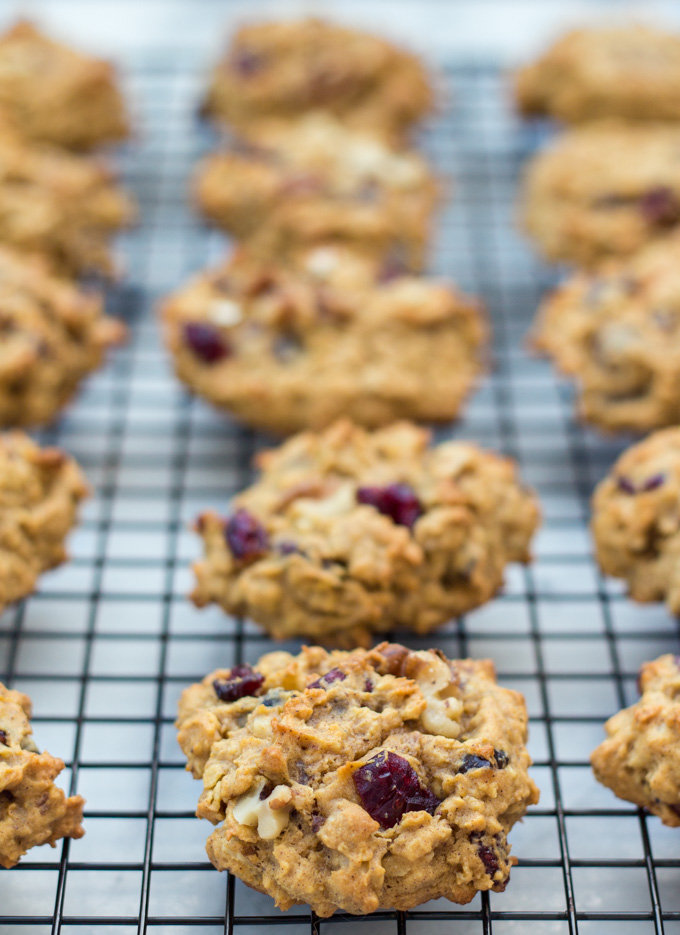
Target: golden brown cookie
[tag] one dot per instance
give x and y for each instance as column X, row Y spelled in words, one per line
column 33, row 810
column 53, row 94
column 60, row 204
column 603, row 189
column 628, row 71
column 52, row 334
column 333, row 332
column 640, row 759
column 358, row 781
column 314, row 180
column 616, row 331
column 348, row 533
column 39, row 494
column 636, row 521
column 284, row 69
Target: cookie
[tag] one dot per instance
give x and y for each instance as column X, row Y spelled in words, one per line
column 636, row 524
column 315, row 180
column 616, row 331
column 52, row 334
column 39, row 494
column 347, row 533
column 359, row 781
column 630, row 71
column 59, row 203
column 281, row 70
column 53, row 94
column 33, row 810
column 295, row 345
column 640, row 759
column 603, row 189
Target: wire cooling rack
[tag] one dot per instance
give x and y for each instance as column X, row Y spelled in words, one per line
column 109, row 641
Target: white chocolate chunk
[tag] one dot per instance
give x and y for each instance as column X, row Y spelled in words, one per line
column 441, row 714
column 270, row 815
column 225, row 312
column 321, row 262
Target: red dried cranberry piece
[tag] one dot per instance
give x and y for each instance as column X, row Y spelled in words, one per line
column 388, row 786
column 3, row 738
column 333, row 675
column 242, row 681
column 656, row 480
column 246, row 536
column 398, row 501
column 206, row 342
column 472, row 761
column 660, row 206
column 502, row 758
column 626, row 485
column 266, row 791
column 246, row 62
column 368, row 685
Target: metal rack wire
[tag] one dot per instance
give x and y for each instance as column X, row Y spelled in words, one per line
column 109, row 641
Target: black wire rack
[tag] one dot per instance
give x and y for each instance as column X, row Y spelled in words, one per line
column 109, row 641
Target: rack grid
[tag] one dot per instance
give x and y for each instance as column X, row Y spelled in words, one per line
column 109, row 641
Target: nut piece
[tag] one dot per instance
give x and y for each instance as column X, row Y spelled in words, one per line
column 269, row 814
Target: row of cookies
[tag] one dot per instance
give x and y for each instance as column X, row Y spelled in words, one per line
column 606, row 196
column 358, row 779
column 321, row 313
column 59, row 206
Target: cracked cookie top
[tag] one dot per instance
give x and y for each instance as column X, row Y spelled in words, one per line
column 294, row 345
column 628, row 71
column 52, row 334
column 348, row 531
column 53, row 94
column 39, row 493
column 284, row 69
column 359, row 780
column 640, row 759
column 615, row 330
column 33, row 810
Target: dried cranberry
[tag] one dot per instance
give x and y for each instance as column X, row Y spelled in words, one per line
column 3, row 738
column 206, row 342
column 388, row 786
column 625, row 485
column 246, row 536
column 241, row 682
column 288, row 548
column 317, row 822
column 656, row 480
column 333, row 675
column 659, row 206
column 472, row 761
column 398, row 501
column 489, row 858
column 246, row 62
column 368, row 685
column 266, row 791
column 502, row 758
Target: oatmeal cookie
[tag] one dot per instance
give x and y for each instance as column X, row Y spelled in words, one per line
column 58, row 203
column 636, row 522
column 359, row 781
column 631, row 72
column 295, row 345
column 640, row 759
column 53, row 94
column 348, row 532
column 313, row 180
column 52, row 334
column 604, row 189
column 39, row 494
column 33, row 810
column 617, row 332
column 280, row 70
